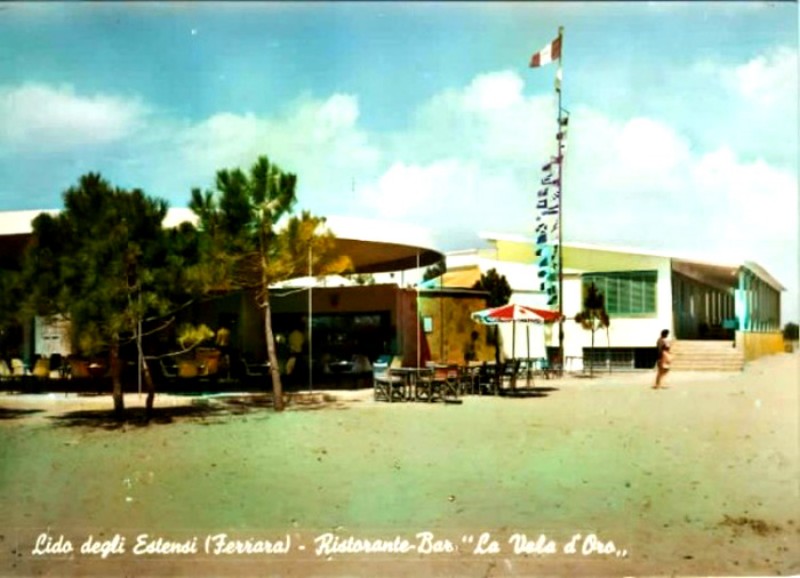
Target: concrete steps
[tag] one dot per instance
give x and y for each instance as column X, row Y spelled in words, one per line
column 692, row 355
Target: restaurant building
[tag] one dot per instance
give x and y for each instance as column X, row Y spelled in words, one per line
column 719, row 314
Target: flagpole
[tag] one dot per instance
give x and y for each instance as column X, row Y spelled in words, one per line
column 550, row 204
column 560, row 204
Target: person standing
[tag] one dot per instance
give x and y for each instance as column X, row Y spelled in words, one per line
column 297, row 342
column 663, row 356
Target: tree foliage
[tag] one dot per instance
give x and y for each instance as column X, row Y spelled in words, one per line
column 436, row 270
column 499, row 293
column 249, row 240
column 791, row 331
column 362, row 279
column 104, row 263
column 496, row 285
column 593, row 316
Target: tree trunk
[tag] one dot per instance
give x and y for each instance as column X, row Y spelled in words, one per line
column 591, row 365
column 116, row 380
column 148, row 381
column 151, row 390
column 497, row 368
column 274, row 370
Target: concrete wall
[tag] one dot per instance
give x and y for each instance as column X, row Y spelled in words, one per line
column 453, row 327
column 755, row 345
column 627, row 331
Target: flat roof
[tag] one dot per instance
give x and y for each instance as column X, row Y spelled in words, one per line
column 373, row 246
column 721, row 268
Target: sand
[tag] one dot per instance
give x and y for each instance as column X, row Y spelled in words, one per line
column 601, row 476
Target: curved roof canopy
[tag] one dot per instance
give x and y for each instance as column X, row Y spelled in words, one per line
column 373, row 246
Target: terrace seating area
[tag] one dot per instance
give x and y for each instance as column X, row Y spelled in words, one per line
column 448, row 383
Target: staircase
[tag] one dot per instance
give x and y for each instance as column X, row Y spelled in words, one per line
column 706, row 356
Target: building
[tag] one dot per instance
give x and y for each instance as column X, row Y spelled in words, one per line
column 734, row 305
column 371, row 319
column 720, row 313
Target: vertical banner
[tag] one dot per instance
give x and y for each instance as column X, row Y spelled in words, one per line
column 548, row 198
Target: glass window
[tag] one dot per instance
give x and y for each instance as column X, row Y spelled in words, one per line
column 627, row 292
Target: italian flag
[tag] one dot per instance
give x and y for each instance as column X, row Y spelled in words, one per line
column 547, row 54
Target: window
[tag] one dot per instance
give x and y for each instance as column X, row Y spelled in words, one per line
column 626, row 293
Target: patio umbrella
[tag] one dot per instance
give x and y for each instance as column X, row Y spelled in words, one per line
column 515, row 313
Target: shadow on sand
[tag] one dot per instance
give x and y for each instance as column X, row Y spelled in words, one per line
column 7, row 413
column 205, row 411
column 528, row 392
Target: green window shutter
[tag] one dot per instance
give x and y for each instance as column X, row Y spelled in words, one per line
column 626, row 292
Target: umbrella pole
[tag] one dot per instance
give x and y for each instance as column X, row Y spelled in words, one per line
column 514, row 351
column 528, row 361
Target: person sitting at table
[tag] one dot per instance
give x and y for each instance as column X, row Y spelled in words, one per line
column 361, row 364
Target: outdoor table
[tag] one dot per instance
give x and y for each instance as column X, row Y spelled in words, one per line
column 341, row 366
column 445, row 381
column 410, row 376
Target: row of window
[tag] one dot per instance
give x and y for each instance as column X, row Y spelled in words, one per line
column 626, row 293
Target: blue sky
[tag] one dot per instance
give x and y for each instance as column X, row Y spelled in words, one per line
column 683, row 130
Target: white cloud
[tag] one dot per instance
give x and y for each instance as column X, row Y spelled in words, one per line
column 714, row 177
column 41, row 117
column 494, row 91
column 317, row 140
column 752, row 198
column 404, row 191
column 768, row 79
column 489, row 121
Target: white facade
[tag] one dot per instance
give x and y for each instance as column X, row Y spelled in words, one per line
column 514, row 258
column 51, row 336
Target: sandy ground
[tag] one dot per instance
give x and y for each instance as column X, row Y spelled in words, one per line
column 598, row 476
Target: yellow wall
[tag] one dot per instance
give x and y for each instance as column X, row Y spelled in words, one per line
column 757, row 345
column 587, row 260
column 590, row 260
column 453, row 326
column 515, row 251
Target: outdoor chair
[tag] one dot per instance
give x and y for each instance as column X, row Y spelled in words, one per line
column 447, row 382
column 255, row 369
column 387, row 386
column 424, row 387
column 78, row 368
column 169, row 371
column 41, row 369
column 18, row 368
column 486, row 378
column 188, row 369
column 5, row 371
column 546, row 369
column 438, row 382
column 58, row 368
column 469, row 378
column 508, row 378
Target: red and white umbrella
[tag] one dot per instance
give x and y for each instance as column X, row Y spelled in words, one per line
column 515, row 313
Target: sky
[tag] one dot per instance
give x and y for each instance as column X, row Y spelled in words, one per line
column 683, row 131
